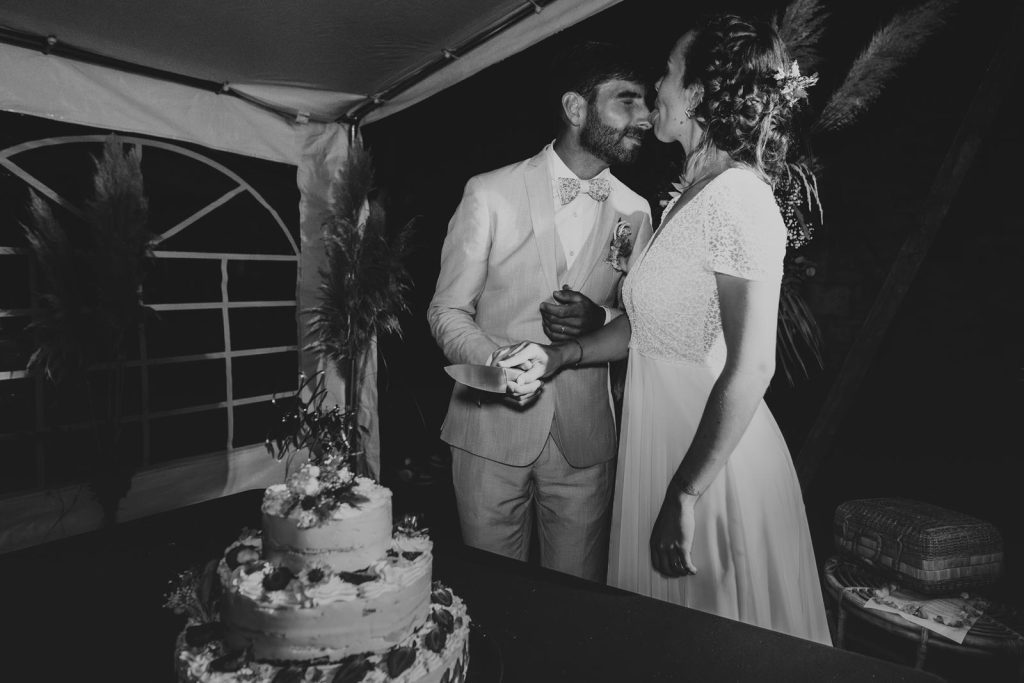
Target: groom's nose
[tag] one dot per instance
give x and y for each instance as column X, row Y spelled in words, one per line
column 644, row 121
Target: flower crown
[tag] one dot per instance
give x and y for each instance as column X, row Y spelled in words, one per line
column 794, row 86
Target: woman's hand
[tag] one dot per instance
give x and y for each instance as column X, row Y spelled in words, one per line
column 672, row 535
column 537, row 362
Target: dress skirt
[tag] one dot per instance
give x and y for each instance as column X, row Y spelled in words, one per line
column 752, row 546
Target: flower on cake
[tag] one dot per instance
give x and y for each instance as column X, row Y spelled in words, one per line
column 410, row 525
column 241, row 553
column 307, row 519
column 306, row 481
column 316, row 572
column 249, row 579
column 313, row 494
column 411, row 544
column 439, row 595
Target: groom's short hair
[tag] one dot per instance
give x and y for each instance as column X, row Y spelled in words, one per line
column 582, row 67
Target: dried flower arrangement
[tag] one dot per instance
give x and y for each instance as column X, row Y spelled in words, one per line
column 802, row 25
column 89, row 294
column 363, row 290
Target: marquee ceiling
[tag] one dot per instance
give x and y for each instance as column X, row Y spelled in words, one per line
column 318, row 57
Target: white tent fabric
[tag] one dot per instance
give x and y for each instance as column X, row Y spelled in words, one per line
column 311, row 59
column 297, row 68
column 86, row 94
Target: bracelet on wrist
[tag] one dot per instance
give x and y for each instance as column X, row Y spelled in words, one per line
column 580, row 359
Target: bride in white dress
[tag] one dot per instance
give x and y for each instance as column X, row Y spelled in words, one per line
column 708, row 511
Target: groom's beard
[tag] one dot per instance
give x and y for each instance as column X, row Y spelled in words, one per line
column 607, row 143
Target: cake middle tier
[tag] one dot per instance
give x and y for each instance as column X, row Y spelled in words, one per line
column 318, row 614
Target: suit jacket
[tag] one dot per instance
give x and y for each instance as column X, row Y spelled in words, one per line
column 500, row 260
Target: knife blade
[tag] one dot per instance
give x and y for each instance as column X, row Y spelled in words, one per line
column 483, row 377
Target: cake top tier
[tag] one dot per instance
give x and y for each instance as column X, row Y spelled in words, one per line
column 312, row 495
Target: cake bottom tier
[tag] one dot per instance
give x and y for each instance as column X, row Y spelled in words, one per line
column 436, row 652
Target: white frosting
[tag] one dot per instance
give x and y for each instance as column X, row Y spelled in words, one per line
column 428, row 666
column 249, row 585
column 328, row 591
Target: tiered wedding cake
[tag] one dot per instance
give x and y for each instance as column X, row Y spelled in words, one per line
column 327, row 592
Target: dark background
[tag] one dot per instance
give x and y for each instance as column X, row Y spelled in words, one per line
column 937, row 416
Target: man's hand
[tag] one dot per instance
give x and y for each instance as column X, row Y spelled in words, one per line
column 519, row 395
column 572, row 315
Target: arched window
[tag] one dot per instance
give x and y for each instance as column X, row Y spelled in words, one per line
column 221, row 344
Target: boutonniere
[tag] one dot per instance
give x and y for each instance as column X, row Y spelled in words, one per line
column 620, row 247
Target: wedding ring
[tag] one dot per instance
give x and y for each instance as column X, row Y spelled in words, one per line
column 561, row 328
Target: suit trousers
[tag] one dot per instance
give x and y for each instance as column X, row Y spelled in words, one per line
column 498, row 505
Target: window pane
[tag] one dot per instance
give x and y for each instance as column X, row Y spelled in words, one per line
column 179, row 385
column 74, row 401
column 262, row 280
column 276, row 373
column 183, row 436
column 253, row 422
column 183, row 333
column 253, row 328
column 71, row 455
column 176, row 280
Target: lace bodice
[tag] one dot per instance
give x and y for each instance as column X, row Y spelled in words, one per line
column 732, row 226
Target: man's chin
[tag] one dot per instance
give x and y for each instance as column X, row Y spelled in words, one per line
column 627, row 155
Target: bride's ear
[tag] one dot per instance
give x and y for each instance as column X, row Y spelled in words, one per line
column 574, row 108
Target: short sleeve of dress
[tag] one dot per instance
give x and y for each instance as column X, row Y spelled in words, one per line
column 744, row 234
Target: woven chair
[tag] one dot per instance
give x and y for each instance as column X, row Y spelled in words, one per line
column 998, row 633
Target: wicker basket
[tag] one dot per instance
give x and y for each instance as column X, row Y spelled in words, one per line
column 923, row 547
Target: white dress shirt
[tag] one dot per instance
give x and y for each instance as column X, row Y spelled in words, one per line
column 576, row 220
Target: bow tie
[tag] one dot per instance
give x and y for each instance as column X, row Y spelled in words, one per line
column 568, row 188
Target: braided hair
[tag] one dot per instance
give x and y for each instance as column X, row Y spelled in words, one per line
column 742, row 109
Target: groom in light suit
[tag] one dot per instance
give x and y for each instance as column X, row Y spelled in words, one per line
column 529, row 255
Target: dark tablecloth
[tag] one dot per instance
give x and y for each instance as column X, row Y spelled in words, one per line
column 90, row 608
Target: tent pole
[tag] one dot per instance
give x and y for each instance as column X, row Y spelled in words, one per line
column 50, row 45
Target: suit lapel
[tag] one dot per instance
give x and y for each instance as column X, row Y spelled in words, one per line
column 595, row 249
column 542, row 215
